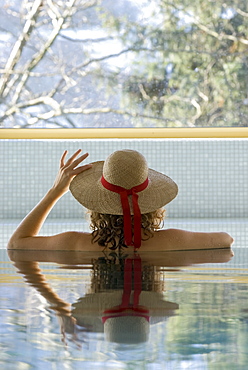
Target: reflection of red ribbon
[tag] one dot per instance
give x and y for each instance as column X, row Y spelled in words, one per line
column 125, row 307
column 124, row 193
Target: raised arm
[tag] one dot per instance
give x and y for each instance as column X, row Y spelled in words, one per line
column 25, row 236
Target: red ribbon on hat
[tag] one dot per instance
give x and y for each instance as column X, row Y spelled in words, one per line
column 124, row 193
column 125, row 307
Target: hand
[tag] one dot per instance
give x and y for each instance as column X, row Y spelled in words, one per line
column 69, row 170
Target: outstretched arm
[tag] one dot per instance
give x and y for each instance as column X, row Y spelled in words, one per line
column 175, row 239
column 25, row 236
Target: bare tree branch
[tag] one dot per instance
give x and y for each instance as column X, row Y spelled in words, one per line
column 241, row 12
column 101, row 110
column 19, row 45
column 38, row 56
column 32, row 74
column 58, row 111
column 220, row 36
column 100, row 39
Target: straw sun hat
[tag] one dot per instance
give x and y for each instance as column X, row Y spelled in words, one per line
column 125, row 168
column 123, row 185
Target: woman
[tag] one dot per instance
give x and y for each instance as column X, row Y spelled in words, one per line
column 124, row 197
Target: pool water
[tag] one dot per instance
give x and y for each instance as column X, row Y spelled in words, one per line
column 52, row 307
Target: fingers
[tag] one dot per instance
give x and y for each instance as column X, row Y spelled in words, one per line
column 81, row 169
column 71, row 159
column 78, row 160
column 72, row 162
column 63, row 158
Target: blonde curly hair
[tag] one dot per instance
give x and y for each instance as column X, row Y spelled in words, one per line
column 107, row 229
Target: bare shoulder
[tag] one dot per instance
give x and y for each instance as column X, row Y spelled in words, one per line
column 177, row 239
column 74, row 240
column 83, row 241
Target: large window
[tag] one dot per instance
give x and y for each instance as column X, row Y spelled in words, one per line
column 146, row 63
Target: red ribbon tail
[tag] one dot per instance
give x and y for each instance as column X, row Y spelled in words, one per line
column 131, row 265
column 137, row 221
column 127, row 283
column 126, row 210
column 137, row 280
column 126, row 218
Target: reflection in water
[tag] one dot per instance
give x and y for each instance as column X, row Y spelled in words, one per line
column 126, row 294
column 124, row 300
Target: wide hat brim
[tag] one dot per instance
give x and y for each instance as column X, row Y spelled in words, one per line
column 89, row 309
column 88, row 190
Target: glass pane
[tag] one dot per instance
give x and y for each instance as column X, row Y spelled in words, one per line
column 146, row 63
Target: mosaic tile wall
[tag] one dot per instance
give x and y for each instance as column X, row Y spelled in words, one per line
column 212, row 174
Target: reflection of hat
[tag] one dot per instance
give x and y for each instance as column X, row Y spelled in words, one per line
column 127, row 329
column 123, row 185
column 123, row 315
column 89, row 310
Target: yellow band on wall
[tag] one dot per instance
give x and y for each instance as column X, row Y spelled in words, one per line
column 124, row 133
